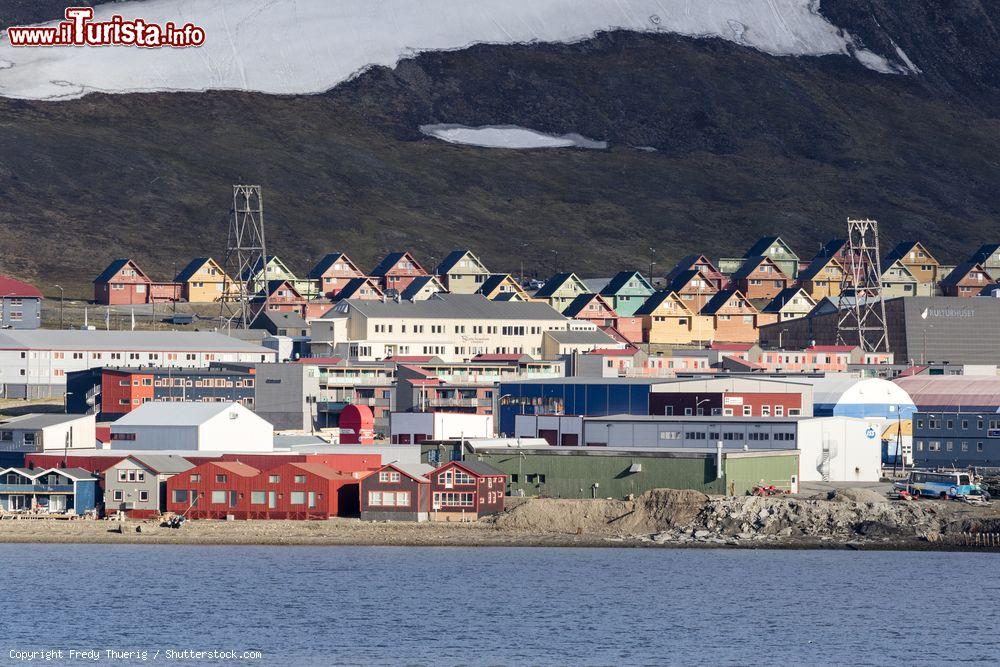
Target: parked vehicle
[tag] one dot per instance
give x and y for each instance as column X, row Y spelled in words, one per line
column 946, row 484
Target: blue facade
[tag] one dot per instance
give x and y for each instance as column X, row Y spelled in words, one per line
column 592, row 399
column 956, row 439
column 20, row 312
column 85, row 496
column 884, row 410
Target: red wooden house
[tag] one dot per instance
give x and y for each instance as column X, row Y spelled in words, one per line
column 397, row 271
column 282, row 297
column 699, row 263
column 122, row 283
column 332, row 273
column 364, row 289
column 396, row 492
column 211, row 490
column 592, row 307
column 760, row 278
column 466, row 490
column 965, row 280
column 694, row 286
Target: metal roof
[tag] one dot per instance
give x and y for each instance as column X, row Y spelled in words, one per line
column 569, row 337
column 10, row 287
column 162, row 463
column 36, row 421
column 124, row 341
column 458, row 306
column 834, row 389
column 163, row 413
column 958, row 392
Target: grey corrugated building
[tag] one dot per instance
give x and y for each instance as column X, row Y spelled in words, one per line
column 956, row 439
column 921, row 329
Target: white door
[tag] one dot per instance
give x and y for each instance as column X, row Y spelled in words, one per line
column 272, row 500
column 57, row 504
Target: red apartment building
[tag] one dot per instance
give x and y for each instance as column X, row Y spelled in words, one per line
column 466, row 491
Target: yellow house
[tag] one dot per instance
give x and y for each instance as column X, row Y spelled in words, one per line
column 203, row 281
column 667, row 319
column 822, row 278
column 498, row 285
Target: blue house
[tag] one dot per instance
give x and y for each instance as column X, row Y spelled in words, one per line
column 588, row 396
column 53, row 491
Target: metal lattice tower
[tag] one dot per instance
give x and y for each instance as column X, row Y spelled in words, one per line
column 246, row 253
column 862, row 317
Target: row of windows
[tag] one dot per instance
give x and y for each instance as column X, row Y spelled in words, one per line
column 389, row 498
column 936, row 423
column 949, row 445
column 232, row 498
column 453, row 499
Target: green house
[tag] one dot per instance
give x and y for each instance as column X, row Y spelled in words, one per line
column 626, row 292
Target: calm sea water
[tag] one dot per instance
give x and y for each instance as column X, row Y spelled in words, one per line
column 504, row 606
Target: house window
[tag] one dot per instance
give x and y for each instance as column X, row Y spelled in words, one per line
column 118, row 496
column 195, row 478
column 274, row 479
column 298, row 498
column 218, row 497
column 300, row 479
column 221, row 479
column 388, row 476
column 180, row 495
column 143, row 496
column 747, row 410
column 258, row 497
column 121, row 475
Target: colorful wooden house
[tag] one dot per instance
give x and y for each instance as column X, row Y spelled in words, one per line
column 461, row 272
column 122, row 283
column 281, row 297
column 823, row 276
column 667, row 318
column 592, row 308
column 897, row 280
column 331, row 274
column 396, row 492
column 699, row 263
column 733, row 317
column 258, row 274
column 966, row 280
column 760, row 277
column 694, row 287
column 918, row 260
column 790, row 304
column 203, row 280
column 466, row 491
column 422, row 288
column 365, row 289
column 396, row 271
column 771, row 247
column 503, row 285
column 560, row 290
column 626, row 292
column 988, row 257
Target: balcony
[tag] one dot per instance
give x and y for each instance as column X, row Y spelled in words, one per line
column 335, row 381
column 36, row 488
column 453, row 402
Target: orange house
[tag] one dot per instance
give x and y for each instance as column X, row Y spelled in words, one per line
column 822, row 278
column 695, row 287
column 760, row 278
column 282, row 297
column 331, row 274
column 733, row 317
column 666, row 318
column 397, row 271
column 966, row 280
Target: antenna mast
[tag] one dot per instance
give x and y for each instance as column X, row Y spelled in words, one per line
column 246, row 258
column 862, row 310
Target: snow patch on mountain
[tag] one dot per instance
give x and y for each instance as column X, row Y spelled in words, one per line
column 309, row 46
column 507, row 136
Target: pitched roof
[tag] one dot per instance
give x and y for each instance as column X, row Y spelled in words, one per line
column 732, row 347
column 116, row 266
column 478, row 468
column 751, row 264
column 391, row 260
column 418, row 284
column 163, row 413
column 832, row 247
column 354, row 284
column 581, row 301
column 765, row 242
column 453, row 258
column 492, row 282
column 654, row 301
column 320, row 470
column 618, row 282
column 192, row 268
column 718, row 301
column 901, row 250
column 10, row 287
column 324, row 264
column 251, row 271
column 783, row 297
column 419, row 471
column 553, row 284
column 819, row 262
column 960, row 272
column 237, row 468
column 163, row 463
column 278, row 319
column 984, row 252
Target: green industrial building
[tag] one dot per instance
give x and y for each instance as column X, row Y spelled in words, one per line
column 578, row 472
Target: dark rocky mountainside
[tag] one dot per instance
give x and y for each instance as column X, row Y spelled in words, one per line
column 745, row 144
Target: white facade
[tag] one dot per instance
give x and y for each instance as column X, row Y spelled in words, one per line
column 836, row 449
column 35, row 363
column 47, row 432
column 215, row 427
column 453, row 327
column 412, row 427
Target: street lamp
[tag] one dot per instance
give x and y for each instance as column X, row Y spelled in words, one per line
column 62, row 293
column 652, row 261
column 697, row 403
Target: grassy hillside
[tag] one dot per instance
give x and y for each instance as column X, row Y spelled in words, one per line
column 746, row 144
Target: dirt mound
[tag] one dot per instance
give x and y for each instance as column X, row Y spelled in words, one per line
column 653, row 511
column 856, row 495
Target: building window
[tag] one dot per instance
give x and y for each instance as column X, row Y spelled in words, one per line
column 195, row 478
column 979, row 446
column 747, row 410
column 300, row 479
column 388, row 476
column 121, row 475
column 451, row 499
column 143, row 496
column 221, row 479
column 180, row 495
column 298, row 498
column 218, row 497
column 274, row 479
column 258, row 497
column 118, row 496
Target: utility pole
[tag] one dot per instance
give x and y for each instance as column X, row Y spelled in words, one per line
column 246, row 257
column 652, row 261
column 62, row 294
column 862, row 310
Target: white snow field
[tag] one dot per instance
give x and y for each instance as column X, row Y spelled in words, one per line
column 507, row 136
column 309, row 46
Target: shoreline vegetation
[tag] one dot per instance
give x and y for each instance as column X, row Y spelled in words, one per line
column 848, row 519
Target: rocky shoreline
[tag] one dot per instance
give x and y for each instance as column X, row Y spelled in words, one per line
column 847, row 519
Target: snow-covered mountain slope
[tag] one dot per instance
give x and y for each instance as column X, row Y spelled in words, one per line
column 309, row 46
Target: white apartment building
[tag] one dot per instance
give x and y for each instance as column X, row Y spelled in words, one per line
column 34, row 363
column 452, row 327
